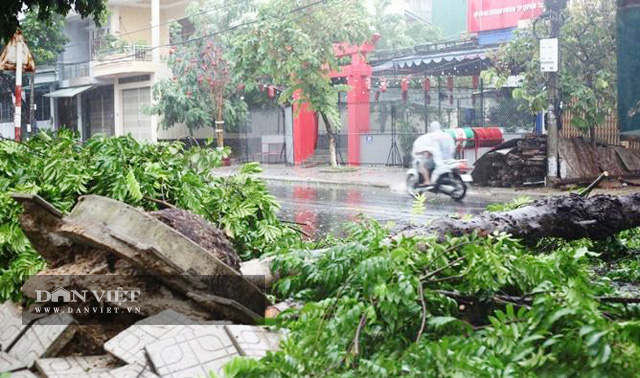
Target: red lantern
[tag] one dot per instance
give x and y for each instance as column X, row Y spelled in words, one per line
column 240, row 87
column 450, row 83
column 475, row 80
column 383, row 85
column 426, row 85
column 404, row 84
column 271, row 92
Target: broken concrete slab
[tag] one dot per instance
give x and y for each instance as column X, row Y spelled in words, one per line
column 196, row 351
column 9, row 363
column 129, row 344
column 149, row 246
column 43, row 338
column 130, row 371
column 252, row 341
column 75, row 367
column 11, row 324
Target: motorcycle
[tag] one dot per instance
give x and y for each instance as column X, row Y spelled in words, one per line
column 447, row 177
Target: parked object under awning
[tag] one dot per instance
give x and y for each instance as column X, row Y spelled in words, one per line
column 69, row 92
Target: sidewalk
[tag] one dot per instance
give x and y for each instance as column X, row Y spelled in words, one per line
column 391, row 178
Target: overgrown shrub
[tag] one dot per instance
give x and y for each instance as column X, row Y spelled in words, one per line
column 60, row 169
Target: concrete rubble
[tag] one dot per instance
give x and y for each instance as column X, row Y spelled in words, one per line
column 198, row 309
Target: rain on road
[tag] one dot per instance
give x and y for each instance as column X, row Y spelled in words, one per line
column 325, row 208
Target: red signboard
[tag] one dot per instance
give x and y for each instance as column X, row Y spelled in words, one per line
column 487, row 15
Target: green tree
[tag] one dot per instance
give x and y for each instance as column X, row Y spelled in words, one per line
column 10, row 11
column 396, row 33
column 199, row 93
column 291, row 45
column 46, row 39
column 587, row 76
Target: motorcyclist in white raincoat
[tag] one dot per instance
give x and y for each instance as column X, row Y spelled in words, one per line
column 431, row 149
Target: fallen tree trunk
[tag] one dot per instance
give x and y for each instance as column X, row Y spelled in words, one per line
column 568, row 217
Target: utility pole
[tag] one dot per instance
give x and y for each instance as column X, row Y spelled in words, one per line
column 32, row 105
column 554, row 14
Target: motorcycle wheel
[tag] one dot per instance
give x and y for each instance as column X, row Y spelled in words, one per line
column 460, row 190
column 412, row 182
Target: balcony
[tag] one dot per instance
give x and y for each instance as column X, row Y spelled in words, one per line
column 124, row 59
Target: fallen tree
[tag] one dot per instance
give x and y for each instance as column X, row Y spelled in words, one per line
column 569, row 217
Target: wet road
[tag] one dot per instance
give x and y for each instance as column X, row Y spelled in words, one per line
column 325, row 208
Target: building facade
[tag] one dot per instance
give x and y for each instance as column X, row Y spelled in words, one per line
column 103, row 80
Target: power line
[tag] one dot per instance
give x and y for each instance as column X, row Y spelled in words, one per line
column 226, row 30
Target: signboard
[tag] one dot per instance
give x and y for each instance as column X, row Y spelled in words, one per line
column 485, row 15
column 549, row 55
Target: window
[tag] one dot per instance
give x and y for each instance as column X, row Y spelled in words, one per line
column 134, row 79
column 43, row 106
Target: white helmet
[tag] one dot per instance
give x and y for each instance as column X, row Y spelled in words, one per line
column 435, row 126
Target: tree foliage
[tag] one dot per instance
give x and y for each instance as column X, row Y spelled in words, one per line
column 46, row 39
column 464, row 307
column 587, row 76
column 47, row 11
column 291, row 46
column 396, row 33
column 59, row 169
column 200, row 70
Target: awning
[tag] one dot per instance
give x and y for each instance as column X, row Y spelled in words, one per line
column 448, row 62
column 68, row 92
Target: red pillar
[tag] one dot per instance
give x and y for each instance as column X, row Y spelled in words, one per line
column 305, row 132
column 358, row 74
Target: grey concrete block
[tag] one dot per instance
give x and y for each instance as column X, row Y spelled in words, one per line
column 9, row 363
column 253, row 341
column 130, row 371
column 75, row 367
column 196, row 351
column 43, row 338
column 129, row 344
column 10, row 324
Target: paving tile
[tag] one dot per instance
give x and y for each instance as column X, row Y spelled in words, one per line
column 9, row 363
column 194, row 352
column 23, row 374
column 129, row 344
column 44, row 337
column 10, row 324
column 253, row 341
column 130, row 371
column 74, row 367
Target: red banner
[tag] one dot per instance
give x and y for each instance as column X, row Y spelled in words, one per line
column 487, row 15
